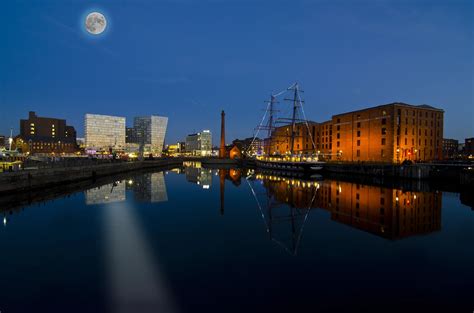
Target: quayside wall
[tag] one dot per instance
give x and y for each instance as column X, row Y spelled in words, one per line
column 39, row 178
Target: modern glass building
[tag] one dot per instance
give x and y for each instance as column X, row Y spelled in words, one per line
column 104, row 132
column 200, row 143
column 150, row 132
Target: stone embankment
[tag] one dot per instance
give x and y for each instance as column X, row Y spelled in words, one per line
column 43, row 177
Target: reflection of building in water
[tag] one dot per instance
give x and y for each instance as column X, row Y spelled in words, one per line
column 114, row 192
column 386, row 212
column 150, row 187
column 199, row 175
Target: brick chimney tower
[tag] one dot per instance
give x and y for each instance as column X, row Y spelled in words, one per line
column 222, row 151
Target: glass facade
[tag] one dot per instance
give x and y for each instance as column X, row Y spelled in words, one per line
column 103, row 132
column 150, row 131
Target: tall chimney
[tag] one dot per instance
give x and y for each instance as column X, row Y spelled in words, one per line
column 222, row 153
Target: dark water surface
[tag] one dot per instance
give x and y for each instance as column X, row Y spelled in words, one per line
column 200, row 240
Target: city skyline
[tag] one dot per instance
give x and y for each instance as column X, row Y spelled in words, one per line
column 419, row 53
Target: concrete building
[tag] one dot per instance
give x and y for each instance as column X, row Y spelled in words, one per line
column 46, row 135
column 150, row 131
column 450, row 148
column 387, row 133
column 104, row 132
column 199, row 144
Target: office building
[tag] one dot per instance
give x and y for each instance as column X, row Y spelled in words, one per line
column 104, row 133
column 199, row 144
column 149, row 132
column 46, row 135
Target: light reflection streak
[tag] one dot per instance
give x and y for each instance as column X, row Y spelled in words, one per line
column 136, row 283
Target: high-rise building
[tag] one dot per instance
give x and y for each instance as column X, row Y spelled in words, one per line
column 150, row 131
column 46, row 135
column 104, row 132
column 199, row 144
column 387, row 133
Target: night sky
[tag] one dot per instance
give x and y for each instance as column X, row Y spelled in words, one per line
column 188, row 60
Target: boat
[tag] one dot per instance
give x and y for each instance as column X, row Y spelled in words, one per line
column 291, row 161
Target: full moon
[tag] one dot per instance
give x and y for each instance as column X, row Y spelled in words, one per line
column 95, row 23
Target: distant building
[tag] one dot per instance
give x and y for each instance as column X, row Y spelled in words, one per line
column 176, row 148
column 233, row 152
column 387, row 133
column 150, row 132
column 104, row 132
column 81, row 143
column 450, row 148
column 46, row 135
column 199, row 144
column 2, row 141
column 130, row 136
column 250, row 145
column 469, row 146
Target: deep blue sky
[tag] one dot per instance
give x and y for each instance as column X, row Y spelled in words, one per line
column 189, row 59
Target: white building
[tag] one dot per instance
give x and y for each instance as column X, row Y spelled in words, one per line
column 150, row 131
column 104, row 132
column 199, row 144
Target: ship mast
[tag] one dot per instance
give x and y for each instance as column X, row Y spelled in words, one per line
column 271, row 112
column 296, row 103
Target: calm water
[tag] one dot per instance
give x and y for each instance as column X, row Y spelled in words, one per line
column 200, row 240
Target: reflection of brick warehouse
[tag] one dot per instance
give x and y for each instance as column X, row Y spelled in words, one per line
column 369, row 208
column 390, row 213
column 387, row 133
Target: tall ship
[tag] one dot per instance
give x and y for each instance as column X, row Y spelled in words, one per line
column 293, row 159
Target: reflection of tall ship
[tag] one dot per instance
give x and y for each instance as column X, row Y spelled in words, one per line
column 386, row 212
column 299, row 155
